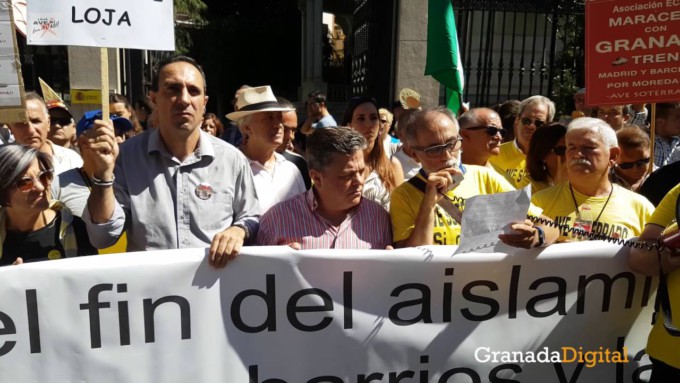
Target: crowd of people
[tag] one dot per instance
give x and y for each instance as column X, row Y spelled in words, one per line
column 166, row 174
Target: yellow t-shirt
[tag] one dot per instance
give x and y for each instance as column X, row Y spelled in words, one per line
column 624, row 216
column 536, row 186
column 660, row 344
column 511, row 163
column 406, row 200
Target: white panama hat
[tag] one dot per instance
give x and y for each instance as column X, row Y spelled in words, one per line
column 256, row 100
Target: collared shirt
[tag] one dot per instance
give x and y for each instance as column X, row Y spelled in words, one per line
column 664, row 148
column 64, row 159
column 165, row 203
column 297, row 220
column 280, row 183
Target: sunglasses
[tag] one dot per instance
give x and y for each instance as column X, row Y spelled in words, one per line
column 437, row 150
column 491, row 131
column 527, row 121
column 639, row 163
column 63, row 121
column 27, row 184
column 559, row 150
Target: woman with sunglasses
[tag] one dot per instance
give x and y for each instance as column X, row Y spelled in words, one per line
column 546, row 165
column 31, row 227
column 382, row 174
column 632, row 164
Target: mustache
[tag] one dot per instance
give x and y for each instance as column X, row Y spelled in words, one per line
column 580, row 161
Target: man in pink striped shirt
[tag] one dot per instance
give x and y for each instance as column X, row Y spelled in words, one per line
column 332, row 214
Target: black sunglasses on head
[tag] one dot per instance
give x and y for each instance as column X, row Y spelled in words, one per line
column 490, row 130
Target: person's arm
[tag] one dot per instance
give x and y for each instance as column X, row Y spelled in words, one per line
column 527, row 235
column 398, row 171
column 423, row 230
column 103, row 215
column 646, row 262
column 102, row 144
column 226, row 244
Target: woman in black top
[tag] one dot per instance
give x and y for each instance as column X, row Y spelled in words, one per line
column 33, row 228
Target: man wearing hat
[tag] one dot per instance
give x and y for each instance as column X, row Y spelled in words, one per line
column 175, row 186
column 34, row 133
column 62, row 127
column 259, row 118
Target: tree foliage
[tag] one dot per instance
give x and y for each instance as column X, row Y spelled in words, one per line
column 189, row 14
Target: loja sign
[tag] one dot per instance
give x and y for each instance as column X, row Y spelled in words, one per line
column 135, row 24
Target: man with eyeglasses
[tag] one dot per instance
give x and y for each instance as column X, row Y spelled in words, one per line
column 419, row 212
column 534, row 112
column 482, row 132
column 615, row 115
column 589, row 202
column 34, row 133
column 317, row 113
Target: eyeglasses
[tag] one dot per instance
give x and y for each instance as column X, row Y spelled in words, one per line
column 639, row 163
column 527, row 121
column 63, row 121
column 490, row 130
column 27, row 184
column 559, row 150
column 437, row 150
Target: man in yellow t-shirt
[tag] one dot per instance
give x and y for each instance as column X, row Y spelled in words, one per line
column 662, row 347
column 534, row 112
column 588, row 201
column 431, row 138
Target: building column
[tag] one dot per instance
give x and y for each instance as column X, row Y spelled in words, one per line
column 312, row 47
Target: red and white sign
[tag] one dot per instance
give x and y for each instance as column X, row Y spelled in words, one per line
column 632, row 51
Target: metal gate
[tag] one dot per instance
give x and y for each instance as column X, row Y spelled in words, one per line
column 513, row 49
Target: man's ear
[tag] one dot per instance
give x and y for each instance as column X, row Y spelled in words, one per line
column 315, row 175
column 410, row 152
column 614, row 155
column 464, row 134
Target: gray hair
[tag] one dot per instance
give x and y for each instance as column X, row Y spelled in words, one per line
column 597, row 126
column 14, row 160
column 538, row 100
column 326, row 142
column 418, row 118
column 473, row 117
column 36, row 97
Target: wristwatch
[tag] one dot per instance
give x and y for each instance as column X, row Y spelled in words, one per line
column 541, row 236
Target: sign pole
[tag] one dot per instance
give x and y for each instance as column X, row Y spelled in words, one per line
column 104, row 65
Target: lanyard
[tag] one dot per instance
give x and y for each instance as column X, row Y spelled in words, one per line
column 611, row 191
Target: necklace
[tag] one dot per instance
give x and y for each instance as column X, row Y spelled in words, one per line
column 583, row 224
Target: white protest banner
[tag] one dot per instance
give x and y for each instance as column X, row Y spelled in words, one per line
column 135, row 24
column 279, row 316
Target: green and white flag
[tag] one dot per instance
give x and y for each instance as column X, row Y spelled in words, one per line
column 444, row 63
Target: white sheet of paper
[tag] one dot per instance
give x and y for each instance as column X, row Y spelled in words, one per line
column 486, row 216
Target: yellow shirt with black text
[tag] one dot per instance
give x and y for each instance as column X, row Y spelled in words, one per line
column 511, row 163
column 624, row 216
column 406, row 200
column 660, row 344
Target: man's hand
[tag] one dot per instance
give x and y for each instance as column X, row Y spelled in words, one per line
column 101, row 141
column 525, row 235
column 225, row 246
column 438, row 183
column 18, row 261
